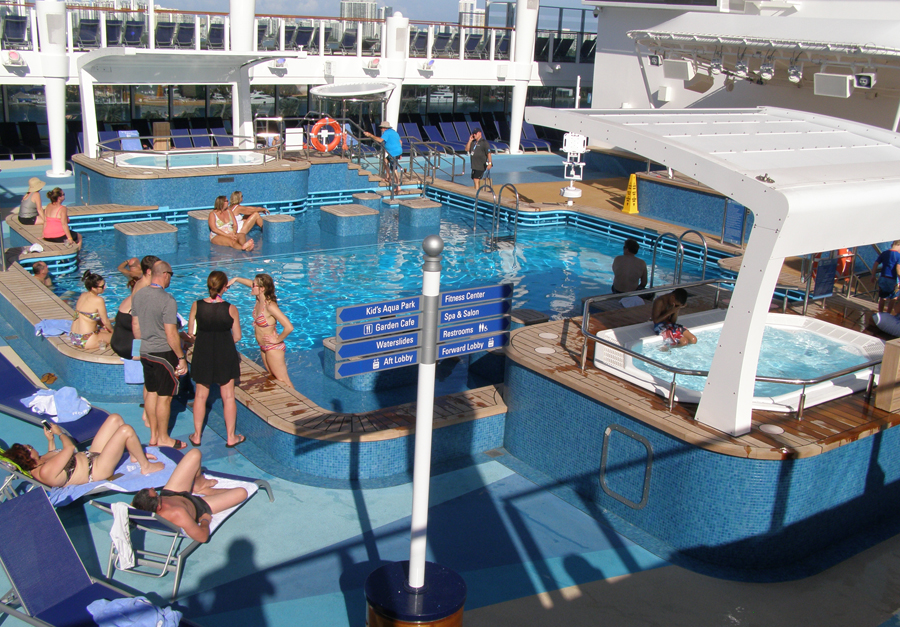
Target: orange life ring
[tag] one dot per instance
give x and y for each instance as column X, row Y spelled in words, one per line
column 314, row 135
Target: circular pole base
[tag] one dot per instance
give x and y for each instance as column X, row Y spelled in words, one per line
column 392, row 603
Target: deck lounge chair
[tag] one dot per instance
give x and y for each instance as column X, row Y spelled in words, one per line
column 88, row 33
column 109, row 140
column 474, row 48
column 31, row 138
column 463, row 130
column 588, row 48
column 502, row 51
column 133, row 33
column 165, row 34
column 51, row 597
column 541, row 46
column 440, row 44
column 222, row 137
column 529, row 133
column 411, row 130
column 130, row 140
column 9, row 139
column 302, row 38
column 348, row 42
column 184, row 36
column 181, row 138
column 260, row 36
column 215, row 37
column 15, row 32
column 113, row 33
column 434, row 135
column 15, row 385
column 561, row 50
column 418, row 43
column 201, row 138
column 150, row 563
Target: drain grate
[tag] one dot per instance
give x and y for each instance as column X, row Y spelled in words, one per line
column 11, row 337
column 494, row 453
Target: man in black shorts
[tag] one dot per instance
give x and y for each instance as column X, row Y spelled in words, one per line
column 480, row 149
column 155, row 323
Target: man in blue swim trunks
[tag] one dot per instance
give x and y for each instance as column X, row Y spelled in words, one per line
column 665, row 316
column 887, row 280
column 393, row 148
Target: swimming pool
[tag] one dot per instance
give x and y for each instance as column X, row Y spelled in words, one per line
column 793, row 347
column 188, row 159
column 551, row 269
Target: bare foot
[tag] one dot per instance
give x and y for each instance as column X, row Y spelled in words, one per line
column 133, row 459
column 248, row 245
column 145, row 419
column 152, row 467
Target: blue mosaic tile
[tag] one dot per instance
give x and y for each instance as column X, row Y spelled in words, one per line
column 420, row 217
column 712, row 508
column 147, row 244
column 348, row 226
column 278, row 232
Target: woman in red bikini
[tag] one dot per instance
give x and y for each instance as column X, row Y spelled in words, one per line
column 266, row 314
column 56, row 221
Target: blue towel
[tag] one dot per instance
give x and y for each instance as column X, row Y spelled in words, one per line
column 132, row 612
column 134, row 372
column 131, row 480
column 69, row 406
column 49, row 328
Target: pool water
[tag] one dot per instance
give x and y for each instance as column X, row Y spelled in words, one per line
column 551, row 270
column 188, row 160
column 794, row 353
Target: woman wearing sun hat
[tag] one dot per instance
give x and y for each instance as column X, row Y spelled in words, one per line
column 30, row 210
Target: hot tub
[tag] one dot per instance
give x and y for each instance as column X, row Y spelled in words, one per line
column 820, row 345
column 188, row 159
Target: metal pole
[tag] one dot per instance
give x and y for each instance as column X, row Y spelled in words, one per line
column 431, row 289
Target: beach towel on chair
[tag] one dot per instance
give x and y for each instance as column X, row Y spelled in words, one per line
column 49, row 328
column 63, row 404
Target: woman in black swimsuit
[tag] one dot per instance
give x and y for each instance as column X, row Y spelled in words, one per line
column 68, row 466
column 179, row 502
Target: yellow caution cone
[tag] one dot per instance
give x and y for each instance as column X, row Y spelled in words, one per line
column 631, row 205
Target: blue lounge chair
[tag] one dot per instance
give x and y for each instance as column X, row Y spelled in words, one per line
column 434, row 135
column 14, row 386
column 502, row 51
column 348, row 42
column 215, row 37
column 302, row 38
column 418, row 43
column 52, row 597
column 222, row 136
column 134, row 33
column 110, row 140
column 181, row 138
column 165, row 34
column 440, row 44
column 290, row 31
column 88, row 33
column 588, row 48
column 201, row 138
column 463, row 130
column 113, row 32
column 131, row 140
column 184, row 37
column 150, row 563
column 15, row 32
column 529, row 133
column 561, row 50
column 411, row 130
column 31, row 139
column 474, row 47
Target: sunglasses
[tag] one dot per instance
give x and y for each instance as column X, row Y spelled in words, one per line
column 169, row 273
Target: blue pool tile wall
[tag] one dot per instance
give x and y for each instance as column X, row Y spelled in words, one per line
column 98, row 382
column 616, row 165
column 703, row 509
column 390, row 462
column 139, row 245
column 689, row 208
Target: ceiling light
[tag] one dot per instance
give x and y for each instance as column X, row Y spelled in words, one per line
column 767, row 70
column 795, row 73
column 741, row 68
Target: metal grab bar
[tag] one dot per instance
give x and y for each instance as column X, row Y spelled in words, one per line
column 586, row 333
column 497, row 206
column 679, row 255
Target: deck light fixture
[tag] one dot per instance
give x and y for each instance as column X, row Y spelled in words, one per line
column 767, row 68
column 795, row 73
column 428, row 65
column 655, row 60
column 715, row 66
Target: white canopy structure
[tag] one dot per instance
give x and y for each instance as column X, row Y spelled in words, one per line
column 137, row 66
column 813, row 183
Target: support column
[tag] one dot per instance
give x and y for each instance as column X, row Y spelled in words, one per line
column 526, row 24
column 395, row 44
column 51, row 18
column 243, row 21
column 243, row 25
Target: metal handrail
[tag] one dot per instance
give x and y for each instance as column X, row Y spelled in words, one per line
column 680, row 261
column 104, row 151
column 585, row 331
column 656, row 244
column 515, row 217
column 477, row 194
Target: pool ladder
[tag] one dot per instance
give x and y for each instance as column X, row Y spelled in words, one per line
column 679, row 255
column 494, row 238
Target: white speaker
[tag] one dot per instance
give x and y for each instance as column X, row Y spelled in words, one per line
column 679, row 69
column 664, row 93
column 834, row 85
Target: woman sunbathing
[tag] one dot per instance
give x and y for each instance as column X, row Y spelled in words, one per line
column 68, row 466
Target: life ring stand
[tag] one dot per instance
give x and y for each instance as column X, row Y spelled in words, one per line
column 314, row 135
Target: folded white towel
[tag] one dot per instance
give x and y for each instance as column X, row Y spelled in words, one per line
column 121, row 535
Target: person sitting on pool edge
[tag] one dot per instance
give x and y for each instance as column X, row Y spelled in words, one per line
column 177, row 502
column 665, row 316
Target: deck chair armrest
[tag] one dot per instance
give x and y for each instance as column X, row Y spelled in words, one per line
column 22, row 616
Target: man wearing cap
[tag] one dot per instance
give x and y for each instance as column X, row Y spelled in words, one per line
column 30, row 209
column 481, row 156
column 393, row 148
